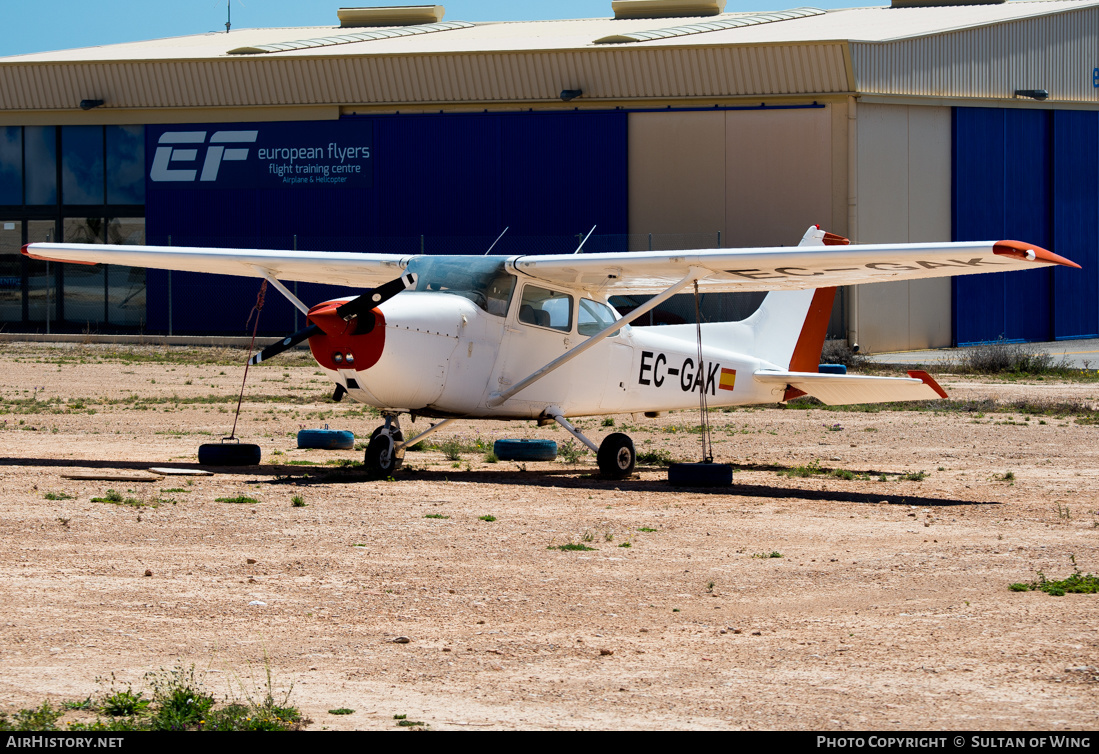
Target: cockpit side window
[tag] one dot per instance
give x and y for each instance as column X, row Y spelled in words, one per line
column 545, row 308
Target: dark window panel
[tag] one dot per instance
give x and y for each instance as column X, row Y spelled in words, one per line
column 11, row 165
column 82, row 164
column 11, row 272
column 125, row 164
column 41, row 289
column 40, row 143
column 126, row 285
column 85, row 289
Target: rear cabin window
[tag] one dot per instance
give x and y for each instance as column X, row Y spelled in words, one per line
column 546, row 308
column 593, row 317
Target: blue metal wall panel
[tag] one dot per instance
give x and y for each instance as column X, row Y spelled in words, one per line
column 1076, row 222
column 1002, row 190
column 978, row 214
column 1027, row 188
column 450, row 183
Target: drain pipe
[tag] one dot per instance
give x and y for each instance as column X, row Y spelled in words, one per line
column 852, row 214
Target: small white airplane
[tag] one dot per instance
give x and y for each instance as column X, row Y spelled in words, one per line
column 535, row 337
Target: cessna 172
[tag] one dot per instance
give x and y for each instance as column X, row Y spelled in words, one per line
column 535, row 337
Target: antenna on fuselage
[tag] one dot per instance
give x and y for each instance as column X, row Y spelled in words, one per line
column 490, row 248
column 581, row 246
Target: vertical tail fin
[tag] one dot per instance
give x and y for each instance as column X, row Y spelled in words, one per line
column 789, row 328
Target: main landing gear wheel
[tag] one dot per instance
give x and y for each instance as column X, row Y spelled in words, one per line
column 229, row 454
column 617, row 456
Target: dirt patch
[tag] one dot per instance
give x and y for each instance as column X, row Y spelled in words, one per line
column 889, row 607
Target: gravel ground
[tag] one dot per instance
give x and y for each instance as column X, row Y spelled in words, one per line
column 889, row 607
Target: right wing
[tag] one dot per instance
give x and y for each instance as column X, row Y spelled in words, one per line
column 333, row 267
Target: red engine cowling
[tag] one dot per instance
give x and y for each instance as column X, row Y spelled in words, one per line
column 356, row 344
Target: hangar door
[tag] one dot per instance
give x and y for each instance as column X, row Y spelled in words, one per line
column 1029, row 175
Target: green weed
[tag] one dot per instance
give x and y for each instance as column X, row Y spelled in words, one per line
column 58, row 496
column 114, row 497
column 571, row 452
column 437, row 515
column 41, row 718
column 489, row 518
column 239, row 499
column 571, row 547
column 1077, row 583
column 658, row 457
column 765, row 555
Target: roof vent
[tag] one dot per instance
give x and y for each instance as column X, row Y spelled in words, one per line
column 942, row 3
column 396, row 15
column 666, row 8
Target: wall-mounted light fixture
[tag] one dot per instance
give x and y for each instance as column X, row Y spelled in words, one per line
column 1038, row 94
column 568, row 95
column 90, row 104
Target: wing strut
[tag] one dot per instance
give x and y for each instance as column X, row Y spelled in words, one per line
column 695, row 273
column 282, row 289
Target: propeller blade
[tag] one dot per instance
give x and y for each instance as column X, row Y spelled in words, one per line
column 377, row 297
column 276, row 348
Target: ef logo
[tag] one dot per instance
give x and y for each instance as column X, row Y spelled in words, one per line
column 1095, row 78
column 186, row 151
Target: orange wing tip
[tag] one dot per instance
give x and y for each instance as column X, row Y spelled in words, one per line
column 1030, row 253
column 831, row 239
column 27, row 253
column 928, row 380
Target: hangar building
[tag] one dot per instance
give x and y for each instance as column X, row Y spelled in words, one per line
column 668, row 124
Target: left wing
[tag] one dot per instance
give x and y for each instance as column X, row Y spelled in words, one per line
column 783, row 268
column 340, row 268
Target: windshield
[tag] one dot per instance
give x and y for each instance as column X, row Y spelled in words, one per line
column 483, row 280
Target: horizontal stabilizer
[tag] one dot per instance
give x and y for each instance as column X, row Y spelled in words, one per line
column 841, row 390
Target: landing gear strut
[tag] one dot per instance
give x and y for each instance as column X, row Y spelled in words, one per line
column 385, row 452
column 616, row 455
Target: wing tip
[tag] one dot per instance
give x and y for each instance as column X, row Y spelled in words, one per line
column 26, row 251
column 1031, row 253
column 928, row 380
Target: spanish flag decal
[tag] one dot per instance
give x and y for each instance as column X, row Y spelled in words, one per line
column 728, row 379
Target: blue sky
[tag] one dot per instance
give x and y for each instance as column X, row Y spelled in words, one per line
column 63, row 24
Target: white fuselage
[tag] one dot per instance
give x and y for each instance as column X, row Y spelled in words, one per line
column 445, row 356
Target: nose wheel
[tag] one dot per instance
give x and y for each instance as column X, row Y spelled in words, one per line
column 382, row 457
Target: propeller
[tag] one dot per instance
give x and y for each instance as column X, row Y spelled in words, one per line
column 276, row 348
column 355, row 308
column 377, row 297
